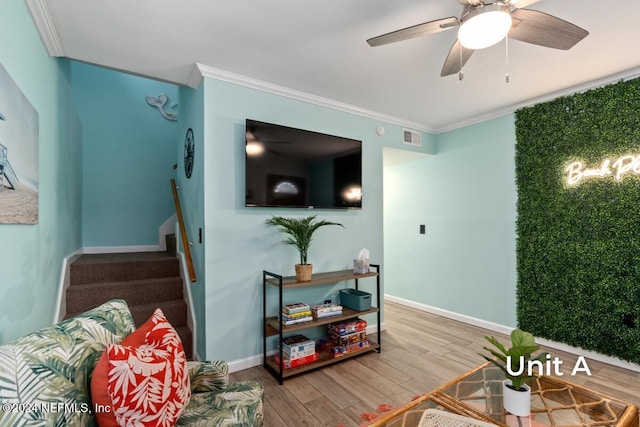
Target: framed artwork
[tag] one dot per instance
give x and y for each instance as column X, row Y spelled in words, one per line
column 19, row 135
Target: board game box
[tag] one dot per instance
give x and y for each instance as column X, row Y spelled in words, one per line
column 347, row 327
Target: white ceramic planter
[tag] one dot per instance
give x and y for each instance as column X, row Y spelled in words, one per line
column 516, row 402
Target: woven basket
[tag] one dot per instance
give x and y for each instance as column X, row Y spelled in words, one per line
column 303, row 272
column 438, row 418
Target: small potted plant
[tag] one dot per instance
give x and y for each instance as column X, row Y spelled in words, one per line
column 300, row 232
column 515, row 362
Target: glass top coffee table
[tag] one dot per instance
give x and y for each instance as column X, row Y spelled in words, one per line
column 554, row 402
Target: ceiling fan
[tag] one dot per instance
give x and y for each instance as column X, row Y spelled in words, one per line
column 485, row 23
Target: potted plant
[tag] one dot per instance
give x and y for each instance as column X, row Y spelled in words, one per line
column 300, row 232
column 515, row 363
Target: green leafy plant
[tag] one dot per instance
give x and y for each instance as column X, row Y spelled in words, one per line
column 514, row 361
column 299, row 230
column 578, row 255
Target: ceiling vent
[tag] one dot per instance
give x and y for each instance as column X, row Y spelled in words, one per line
column 412, row 137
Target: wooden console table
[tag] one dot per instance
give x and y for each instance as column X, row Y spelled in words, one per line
column 554, row 402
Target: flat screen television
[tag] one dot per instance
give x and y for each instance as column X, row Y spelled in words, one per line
column 297, row 168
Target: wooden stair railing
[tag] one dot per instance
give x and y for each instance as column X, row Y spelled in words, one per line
column 183, row 232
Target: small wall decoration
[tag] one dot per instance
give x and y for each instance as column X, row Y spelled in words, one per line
column 160, row 102
column 189, row 149
column 19, row 134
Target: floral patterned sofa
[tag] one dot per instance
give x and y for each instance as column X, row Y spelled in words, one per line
column 45, row 377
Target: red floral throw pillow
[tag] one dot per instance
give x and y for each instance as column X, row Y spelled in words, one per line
column 147, row 383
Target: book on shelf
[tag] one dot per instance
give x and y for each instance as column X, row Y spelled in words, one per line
column 295, row 308
column 325, row 315
column 330, row 306
column 291, row 316
column 289, row 322
column 326, row 308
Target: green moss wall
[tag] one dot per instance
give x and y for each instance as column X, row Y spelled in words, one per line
column 578, row 247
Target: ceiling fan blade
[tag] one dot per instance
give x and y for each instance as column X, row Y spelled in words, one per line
column 521, row 3
column 458, row 56
column 414, row 31
column 545, row 30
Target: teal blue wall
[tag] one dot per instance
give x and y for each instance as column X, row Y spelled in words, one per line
column 191, row 192
column 465, row 263
column 32, row 255
column 239, row 246
column 128, row 152
column 466, row 197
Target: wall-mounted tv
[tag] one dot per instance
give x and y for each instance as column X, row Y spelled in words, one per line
column 296, row 168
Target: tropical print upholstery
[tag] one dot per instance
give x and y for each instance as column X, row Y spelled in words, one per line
column 240, row 404
column 210, row 376
column 46, row 375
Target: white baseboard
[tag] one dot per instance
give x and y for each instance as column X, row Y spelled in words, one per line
column 246, row 363
column 614, row 361
column 60, row 309
column 451, row 315
column 169, row 227
column 256, row 360
column 186, row 290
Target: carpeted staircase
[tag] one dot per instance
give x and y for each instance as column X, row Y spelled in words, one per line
column 145, row 280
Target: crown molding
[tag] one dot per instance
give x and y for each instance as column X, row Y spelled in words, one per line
column 200, row 71
column 47, row 30
column 510, row 109
column 195, row 76
column 250, row 82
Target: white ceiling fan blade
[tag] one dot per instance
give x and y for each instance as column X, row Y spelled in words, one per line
column 521, row 3
column 545, row 30
column 414, row 31
column 458, row 56
column 513, row 3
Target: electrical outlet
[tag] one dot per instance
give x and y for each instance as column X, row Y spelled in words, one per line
column 423, row 229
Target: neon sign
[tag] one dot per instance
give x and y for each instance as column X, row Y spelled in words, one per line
column 617, row 168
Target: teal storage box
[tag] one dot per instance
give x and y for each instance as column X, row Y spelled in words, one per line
column 355, row 299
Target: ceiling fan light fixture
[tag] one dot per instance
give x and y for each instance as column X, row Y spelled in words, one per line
column 485, row 26
column 254, row 148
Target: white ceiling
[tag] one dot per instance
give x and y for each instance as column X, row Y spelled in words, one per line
column 318, row 47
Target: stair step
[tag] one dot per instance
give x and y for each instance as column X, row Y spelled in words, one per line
column 145, row 280
column 86, row 296
column 92, row 268
column 175, row 311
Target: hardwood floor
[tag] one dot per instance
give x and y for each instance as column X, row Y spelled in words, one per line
column 420, row 352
